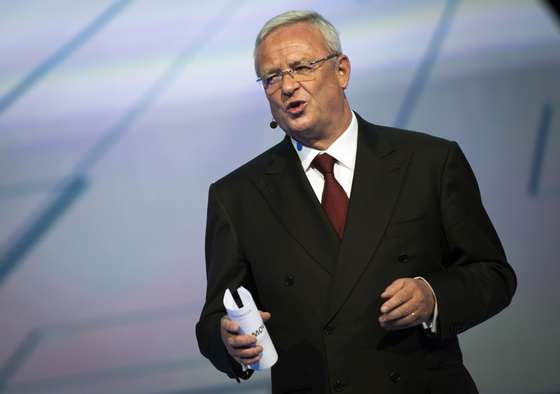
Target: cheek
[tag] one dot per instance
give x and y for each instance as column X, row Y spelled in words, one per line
column 319, row 93
column 275, row 109
column 274, row 102
column 330, row 96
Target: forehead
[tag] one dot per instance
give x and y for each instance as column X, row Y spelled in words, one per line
column 290, row 43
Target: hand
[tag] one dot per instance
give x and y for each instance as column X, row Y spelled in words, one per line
column 243, row 348
column 409, row 302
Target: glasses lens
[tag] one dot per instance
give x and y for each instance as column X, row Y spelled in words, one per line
column 301, row 73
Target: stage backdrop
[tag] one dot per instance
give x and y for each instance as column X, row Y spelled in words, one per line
column 116, row 115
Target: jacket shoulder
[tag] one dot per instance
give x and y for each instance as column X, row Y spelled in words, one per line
column 394, row 137
column 251, row 168
column 413, row 140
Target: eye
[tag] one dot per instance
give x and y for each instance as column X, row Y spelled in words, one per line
column 271, row 78
column 302, row 68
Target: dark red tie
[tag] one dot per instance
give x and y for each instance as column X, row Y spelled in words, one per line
column 334, row 199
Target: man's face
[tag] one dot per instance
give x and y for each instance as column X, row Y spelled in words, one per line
column 314, row 112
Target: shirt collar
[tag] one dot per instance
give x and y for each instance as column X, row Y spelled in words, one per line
column 343, row 149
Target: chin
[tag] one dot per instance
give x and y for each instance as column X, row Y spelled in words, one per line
column 307, row 137
column 301, row 126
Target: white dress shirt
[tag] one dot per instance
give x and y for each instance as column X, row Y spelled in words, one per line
column 343, row 149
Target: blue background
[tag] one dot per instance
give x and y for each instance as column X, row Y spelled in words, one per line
column 115, row 116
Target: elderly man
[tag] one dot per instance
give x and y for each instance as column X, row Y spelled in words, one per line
column 367, row 247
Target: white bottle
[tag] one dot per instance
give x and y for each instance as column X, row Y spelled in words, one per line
column 250, row 322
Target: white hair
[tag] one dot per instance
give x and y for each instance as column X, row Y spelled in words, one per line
column 327, row 30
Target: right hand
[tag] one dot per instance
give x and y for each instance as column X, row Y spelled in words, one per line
column 243, row 348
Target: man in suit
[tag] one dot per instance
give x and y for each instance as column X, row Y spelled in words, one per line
column 367, row 247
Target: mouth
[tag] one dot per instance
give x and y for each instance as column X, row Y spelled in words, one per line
column 295, row 107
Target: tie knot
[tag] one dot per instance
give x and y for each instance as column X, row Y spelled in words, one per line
column 324, row 163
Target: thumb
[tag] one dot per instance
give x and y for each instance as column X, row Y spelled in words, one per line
column 265, row 316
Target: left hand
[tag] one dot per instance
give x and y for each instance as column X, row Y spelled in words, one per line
column 409, row 302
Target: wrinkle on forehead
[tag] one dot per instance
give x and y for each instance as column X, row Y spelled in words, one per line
column 287, row 56
column 290, row 44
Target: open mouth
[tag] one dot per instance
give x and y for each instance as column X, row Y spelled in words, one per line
column 295, row 107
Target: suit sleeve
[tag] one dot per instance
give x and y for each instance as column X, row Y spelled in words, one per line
column 477, row 281
column 225, row 268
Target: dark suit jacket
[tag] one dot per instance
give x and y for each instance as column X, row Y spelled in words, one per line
column 415, row 210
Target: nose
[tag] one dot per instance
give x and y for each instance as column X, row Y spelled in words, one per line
column 289, row 84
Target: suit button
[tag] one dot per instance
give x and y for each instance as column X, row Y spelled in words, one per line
column 394, row 376
column 403, row 258
column 329, row 330
column 338, row 386
column 289, row 280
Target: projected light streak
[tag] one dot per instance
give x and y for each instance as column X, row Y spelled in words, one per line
column 25, row 348
column 391, row 39
column 424, row 69
column 168, row 77
column 59, row 56
column 374, row 45
column 543, row 132
column 38, row 336
column 397, row 40
column 48, row 214
column 210, row 76
column 73, row 186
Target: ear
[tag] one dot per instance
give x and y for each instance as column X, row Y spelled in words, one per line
column 343, row 71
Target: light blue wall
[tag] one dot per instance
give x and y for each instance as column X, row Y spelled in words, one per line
column 115, row 116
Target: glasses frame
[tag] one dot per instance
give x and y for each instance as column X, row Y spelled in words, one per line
column 314, row 64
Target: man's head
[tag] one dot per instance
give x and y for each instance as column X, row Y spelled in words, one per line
column 299, row 58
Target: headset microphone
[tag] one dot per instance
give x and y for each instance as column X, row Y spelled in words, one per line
column 273, row 124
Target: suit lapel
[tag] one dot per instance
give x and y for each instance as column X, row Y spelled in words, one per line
column 289, row 194
column 378, row 175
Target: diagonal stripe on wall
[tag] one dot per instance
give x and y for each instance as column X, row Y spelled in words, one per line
column 61, row 54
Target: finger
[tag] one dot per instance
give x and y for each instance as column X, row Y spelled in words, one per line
column 265, row 316
column 241, row 341
column 249, row 361
column 418, row 298
column 407, row 321
column 399, row 298
column 249, row 353
column 393, row 288
column 230, row 326
column 403, row 310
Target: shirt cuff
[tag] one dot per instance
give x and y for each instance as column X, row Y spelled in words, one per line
column 431, row 325
column 246, row 372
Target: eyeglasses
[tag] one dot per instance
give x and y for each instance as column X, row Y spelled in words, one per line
column 300, row 72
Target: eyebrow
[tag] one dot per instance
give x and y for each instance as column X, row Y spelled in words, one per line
column 290, row 65
column 299, row 61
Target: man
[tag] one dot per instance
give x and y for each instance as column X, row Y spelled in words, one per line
column 367, row 247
